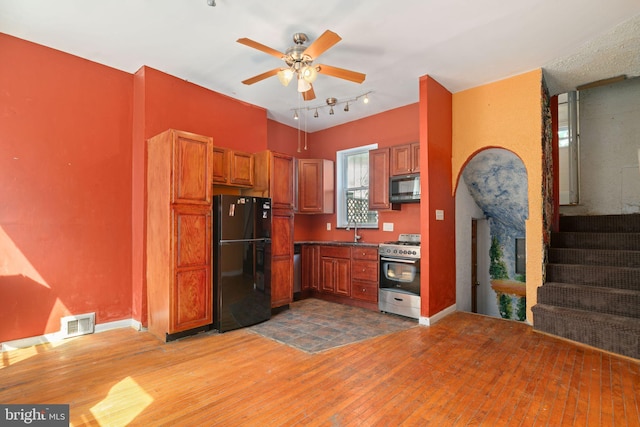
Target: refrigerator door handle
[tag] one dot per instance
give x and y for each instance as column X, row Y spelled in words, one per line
column 243, row 240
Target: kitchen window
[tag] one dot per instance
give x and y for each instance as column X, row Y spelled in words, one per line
column 352, row 185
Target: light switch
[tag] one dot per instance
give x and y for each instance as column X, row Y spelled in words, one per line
column 328, row 226
column 387, row 226
column 439, row 215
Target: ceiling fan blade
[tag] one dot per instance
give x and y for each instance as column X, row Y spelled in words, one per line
column 341, row 73
column 309, row 95
column 259, row 77
column 321, row 44
column 266, row 49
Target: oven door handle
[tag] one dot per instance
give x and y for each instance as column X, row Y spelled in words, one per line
column 406, row 261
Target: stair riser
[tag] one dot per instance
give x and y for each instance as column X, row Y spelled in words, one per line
column 595, row 257
column 601, row 223
column 597, row 334
column 587, row 298
column 629, row 241
column 621, row 278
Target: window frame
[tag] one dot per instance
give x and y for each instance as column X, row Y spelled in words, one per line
column 341, row 175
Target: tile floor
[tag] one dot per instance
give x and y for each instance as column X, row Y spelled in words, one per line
column 314, row 325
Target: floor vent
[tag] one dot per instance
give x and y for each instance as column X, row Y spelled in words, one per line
column 82, row 324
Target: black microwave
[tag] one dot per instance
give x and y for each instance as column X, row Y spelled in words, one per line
column 404, row 188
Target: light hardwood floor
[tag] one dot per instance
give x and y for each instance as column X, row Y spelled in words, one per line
column 466, row 370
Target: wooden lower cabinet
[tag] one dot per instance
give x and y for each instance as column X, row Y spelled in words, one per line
column 281, row 257
column 179, row 272
column 347, row 274
column 335, row 276
column 365, row 271
column 310, row 267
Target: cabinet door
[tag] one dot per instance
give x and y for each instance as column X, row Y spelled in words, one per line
column 282, row 257
column 220, row 174
column 310, row 267
column 379, row 180
column 282, row 180
column 315, row 186
column 240, row 168
column 191, row 169
column 191, row 300
column 415, row 156
column 327, row 275
column 342, row 276
column 401, row 159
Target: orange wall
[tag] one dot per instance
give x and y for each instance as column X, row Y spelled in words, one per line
column 507, row 114
column 166, row 102
column 393, row 127
column 283, row 139
column 438, row 261
column 65, row 189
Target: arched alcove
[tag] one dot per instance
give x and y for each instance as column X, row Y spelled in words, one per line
column 491, row 210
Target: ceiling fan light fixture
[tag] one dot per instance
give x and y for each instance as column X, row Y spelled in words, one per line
column 309, row 73
column 285, row 76
column 303, row 85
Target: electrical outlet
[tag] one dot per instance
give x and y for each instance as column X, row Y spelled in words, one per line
column 328, row 226
column 387, row 226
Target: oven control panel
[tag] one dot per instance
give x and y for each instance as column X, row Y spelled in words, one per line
column 399, row 251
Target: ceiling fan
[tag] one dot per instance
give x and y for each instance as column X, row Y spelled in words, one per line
column 299, row 59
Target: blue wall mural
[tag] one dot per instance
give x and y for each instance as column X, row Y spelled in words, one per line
column 497, row 180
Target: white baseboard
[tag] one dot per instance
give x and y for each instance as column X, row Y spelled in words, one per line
column 428, row 321
column 56, row 336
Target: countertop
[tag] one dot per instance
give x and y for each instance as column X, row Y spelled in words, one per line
column 336, row 243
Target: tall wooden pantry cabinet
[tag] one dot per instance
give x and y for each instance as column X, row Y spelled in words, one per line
column 178, row 243
column 274, row 178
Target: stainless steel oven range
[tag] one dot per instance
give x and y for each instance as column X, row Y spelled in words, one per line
column 399, row 290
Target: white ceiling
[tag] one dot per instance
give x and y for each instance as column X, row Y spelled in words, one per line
column 460, row 43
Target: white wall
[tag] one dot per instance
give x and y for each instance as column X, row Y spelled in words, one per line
column 466, row 210
column 609, row 142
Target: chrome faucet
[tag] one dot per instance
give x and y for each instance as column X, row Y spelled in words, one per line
column 356, row 237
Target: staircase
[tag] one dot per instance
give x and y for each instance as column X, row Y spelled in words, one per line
column 592, row 289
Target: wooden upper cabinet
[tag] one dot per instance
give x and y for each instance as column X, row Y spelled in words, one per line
column 315, row 186
column 274, row 178
column 233, row 168
column 188, row 157
column 405, row 159
column 220, row 165
column 379, row 180
column 240, row 168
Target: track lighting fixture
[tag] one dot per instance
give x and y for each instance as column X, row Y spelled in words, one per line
column 330, row 103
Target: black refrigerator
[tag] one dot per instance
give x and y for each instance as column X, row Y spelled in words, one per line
column 241, row 261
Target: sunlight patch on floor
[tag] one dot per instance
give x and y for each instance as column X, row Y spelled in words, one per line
column 125, row 401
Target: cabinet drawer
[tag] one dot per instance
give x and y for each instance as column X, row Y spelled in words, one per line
column 335, row 251
column 359, row 252
column 366, row 291
column 364, row 270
